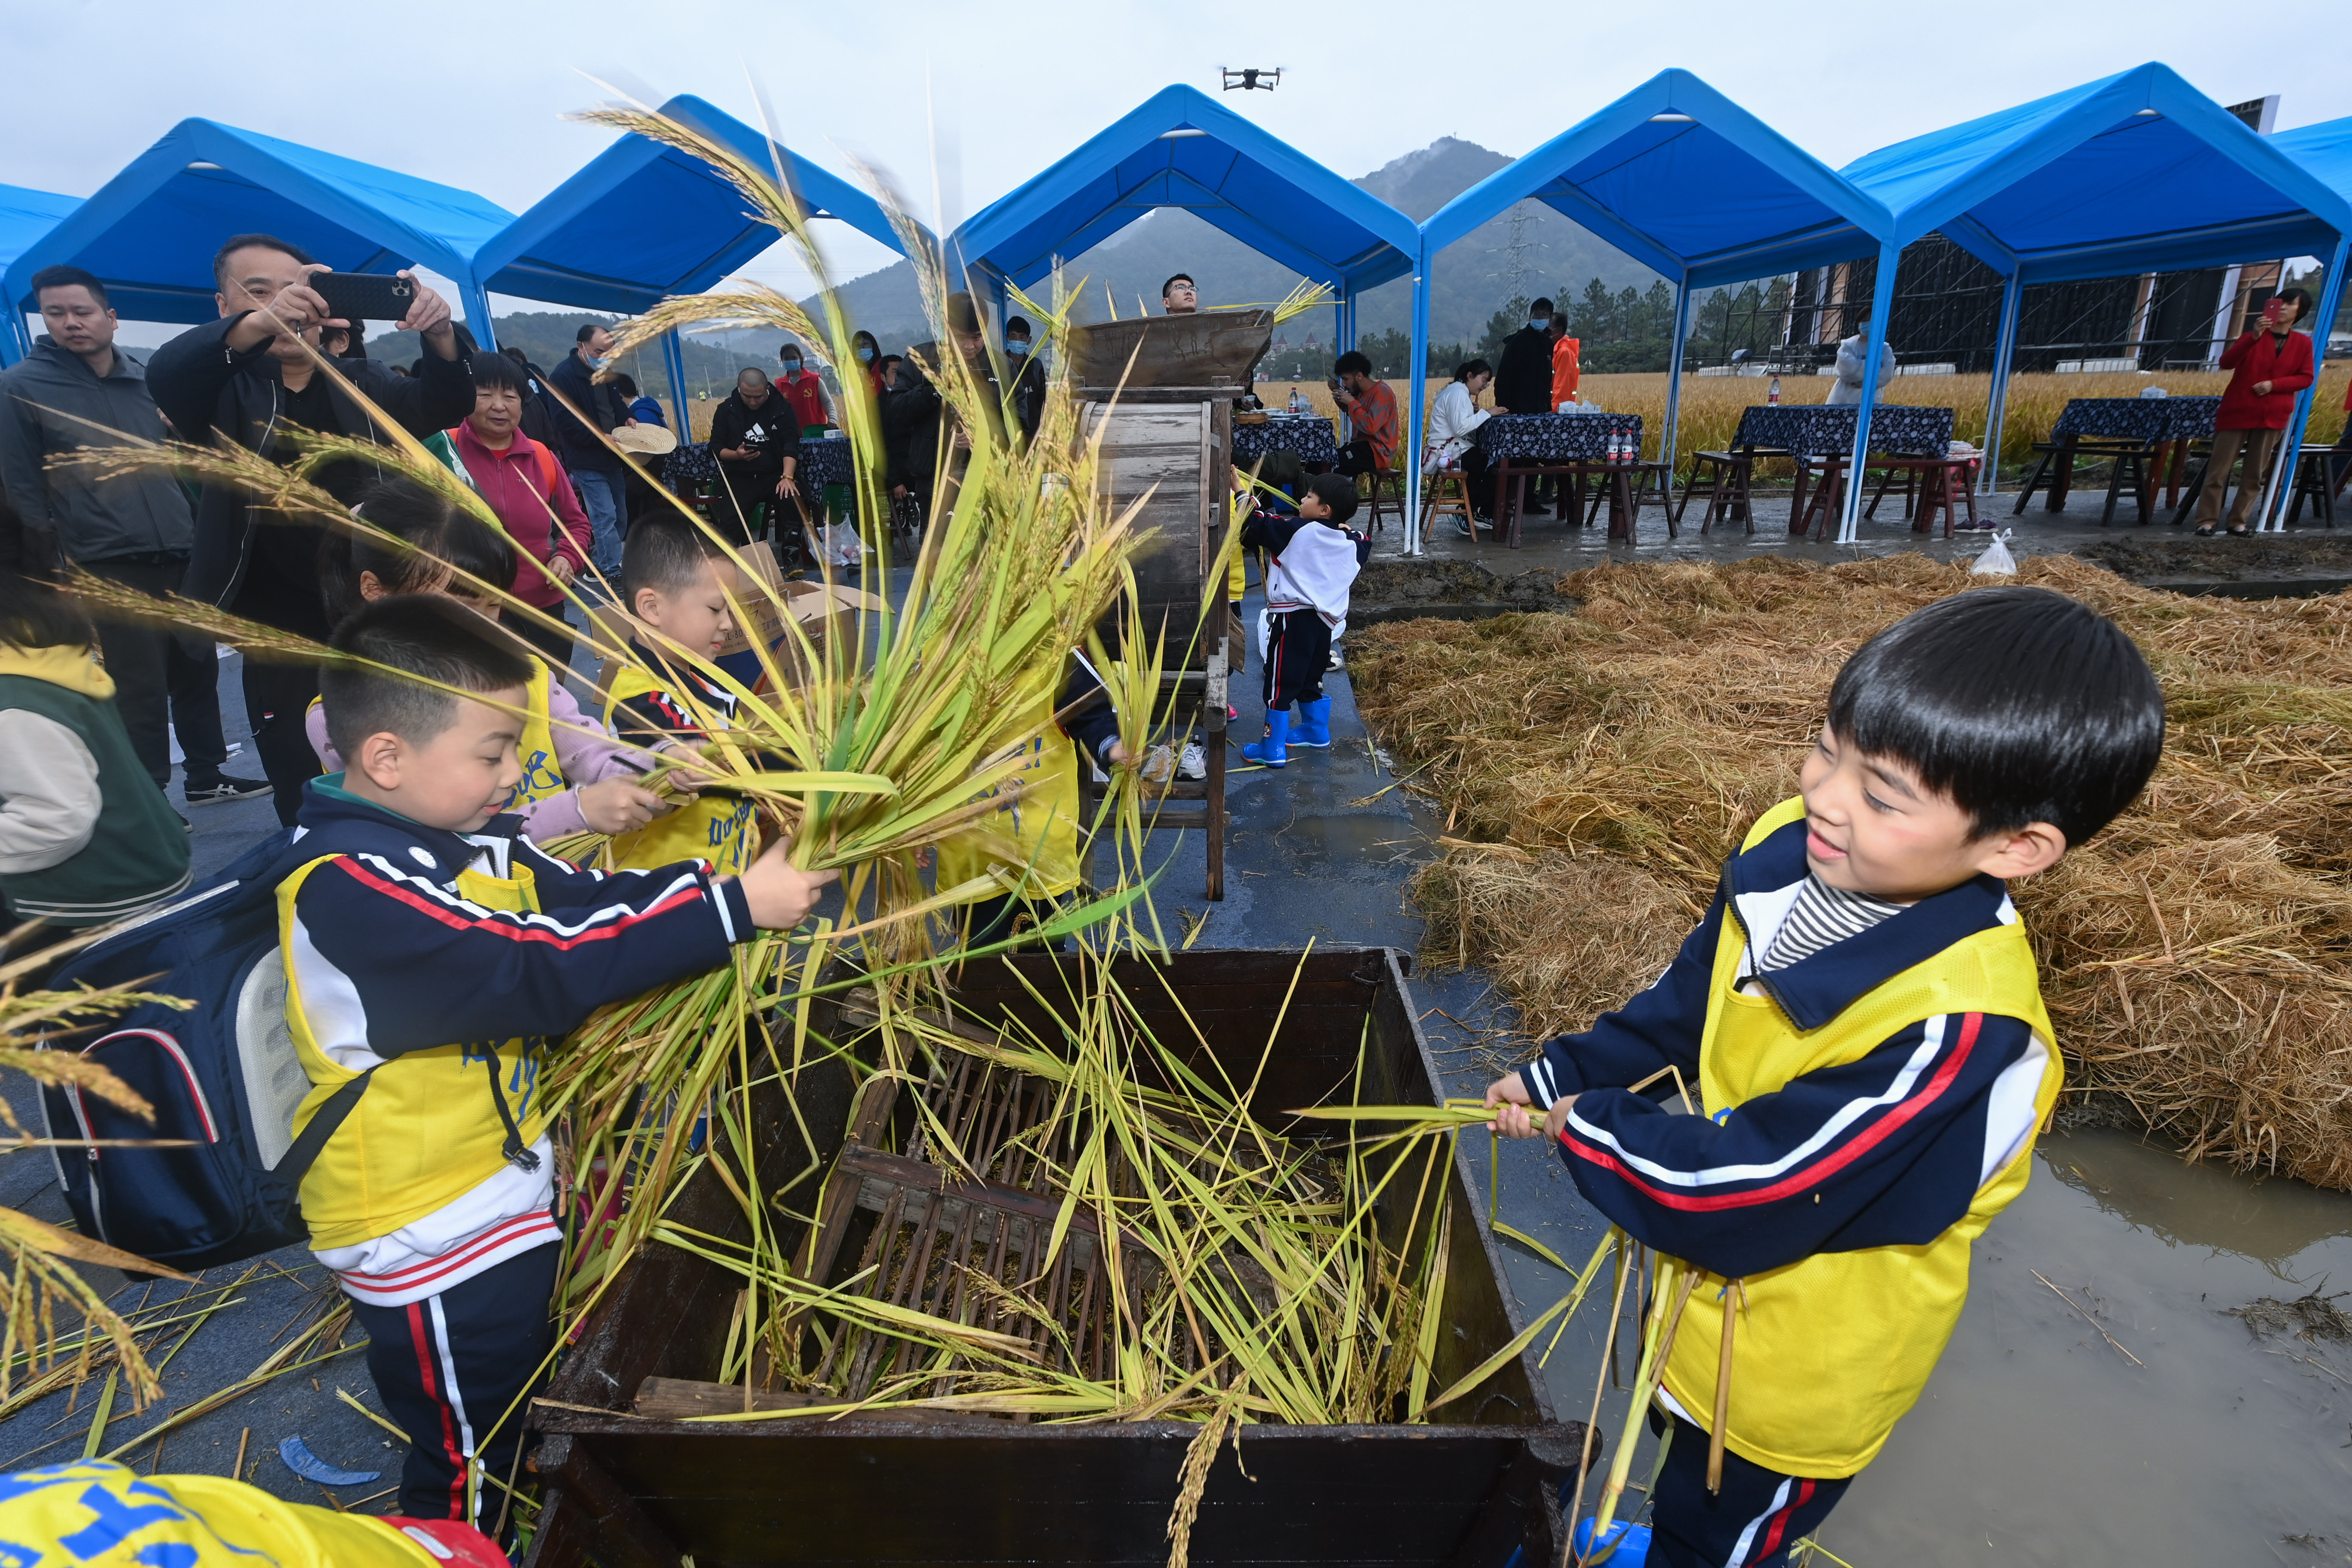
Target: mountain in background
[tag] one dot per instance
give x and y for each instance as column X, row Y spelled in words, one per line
column 1559, row 258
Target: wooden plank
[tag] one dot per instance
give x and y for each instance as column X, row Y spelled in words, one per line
column 677, row 1398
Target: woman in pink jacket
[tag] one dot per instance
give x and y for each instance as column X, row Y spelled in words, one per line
column 2268, row 367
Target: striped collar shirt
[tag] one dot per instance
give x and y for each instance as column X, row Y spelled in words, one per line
column 1822, row 915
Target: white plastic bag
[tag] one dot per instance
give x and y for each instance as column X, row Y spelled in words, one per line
column 1996, row 562
column 840, row 545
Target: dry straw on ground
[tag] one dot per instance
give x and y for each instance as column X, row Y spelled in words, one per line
column 2197, row 955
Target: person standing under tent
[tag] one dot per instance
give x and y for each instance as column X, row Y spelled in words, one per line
column 528, row 489
column 134, row 530
column 247, row 377
column 1522, row 381
column 595, row 467
column 802, row 388
column 1567, row 369
column 2268, row 366
column 755, row 436
column 1028, row 377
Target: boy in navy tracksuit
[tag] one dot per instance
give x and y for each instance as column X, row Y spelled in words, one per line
column 1314, row 561
column 1861, row 1029
column 432, row 949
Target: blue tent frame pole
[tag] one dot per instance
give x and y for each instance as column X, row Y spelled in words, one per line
column 672, row 353
column 1669, row 437
column 1417, row 382
column 1346, row 335
column 2004, row 349
column 14, row 344
column 477, row 315
column 2331, row 294
column 1882, row 306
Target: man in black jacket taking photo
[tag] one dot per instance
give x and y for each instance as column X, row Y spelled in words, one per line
column 247, row 378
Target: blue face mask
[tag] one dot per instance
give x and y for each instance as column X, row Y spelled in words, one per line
column 865, row 356
column 1015, row 347
column 1540, row 323
column 792, row 367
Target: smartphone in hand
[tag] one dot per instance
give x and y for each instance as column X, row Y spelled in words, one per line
column 365, row 296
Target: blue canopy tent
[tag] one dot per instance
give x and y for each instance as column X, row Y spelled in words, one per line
column 25, row 216
column 643, row 221
column 2324, row 151
column 2136, row 173
column 1181, row 148
column 1686, row 181
column 149, row 232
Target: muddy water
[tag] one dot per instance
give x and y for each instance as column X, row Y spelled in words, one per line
column 2037, row 1441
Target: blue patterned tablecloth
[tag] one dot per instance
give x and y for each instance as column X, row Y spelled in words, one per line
column 2149, row 420
column 824, row 460
column 1814, row 428
column 1312, row 439
column 1558, row 438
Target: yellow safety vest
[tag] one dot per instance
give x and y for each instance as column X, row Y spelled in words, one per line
column 717, row 828
column 542, row 774
column 103, row 1515
column 1833, row 1348
column 426, row 1132
column 1041, row 818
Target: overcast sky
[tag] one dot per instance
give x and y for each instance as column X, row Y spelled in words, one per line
column 474, row 94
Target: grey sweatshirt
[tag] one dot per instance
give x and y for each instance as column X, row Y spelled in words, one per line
column 44, row 403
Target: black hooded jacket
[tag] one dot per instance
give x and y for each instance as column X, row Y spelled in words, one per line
column 1523, row 379
column 779, row 435
column 263, row 571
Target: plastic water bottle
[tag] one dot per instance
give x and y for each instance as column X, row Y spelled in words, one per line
column 1772, row 393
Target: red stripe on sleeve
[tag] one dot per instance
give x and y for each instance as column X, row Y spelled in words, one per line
column 457, row 921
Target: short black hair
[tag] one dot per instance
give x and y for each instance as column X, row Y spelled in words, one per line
column 431, row 639
column 589, row 330
column 664, row 553
column 788, row 349
column 1352, row 362
column 1173, row 280
column 1470, row 367
column 1543, row 305
column 493, row 368
column 70, row 278
column 2020, row 704
column 1337, row 492
column 436, row 534
column 2301, row 299
column 238, row 242
column 34, row 615
column 1015, row 324
column 887, row 361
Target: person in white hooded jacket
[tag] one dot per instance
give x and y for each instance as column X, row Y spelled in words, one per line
column 1852, row 364
column 1454, row 422
column 1313, row 565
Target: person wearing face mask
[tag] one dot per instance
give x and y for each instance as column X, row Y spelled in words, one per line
column 595, row 467
column 870, row 360
column 1028, row 377
column 1523, row 382
column 804, row 393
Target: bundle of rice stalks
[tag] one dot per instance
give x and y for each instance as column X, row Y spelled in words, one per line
column 2195, row 954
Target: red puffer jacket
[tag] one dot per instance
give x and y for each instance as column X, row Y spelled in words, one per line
column 2285, row 362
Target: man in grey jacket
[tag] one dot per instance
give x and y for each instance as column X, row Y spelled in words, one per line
column 75, row 392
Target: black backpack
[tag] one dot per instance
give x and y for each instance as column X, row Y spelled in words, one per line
column 223, row 1074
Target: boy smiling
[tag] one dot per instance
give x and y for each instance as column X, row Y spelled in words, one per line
column 1860, row 1020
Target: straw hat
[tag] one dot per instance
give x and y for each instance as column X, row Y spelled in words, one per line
column 650, row 440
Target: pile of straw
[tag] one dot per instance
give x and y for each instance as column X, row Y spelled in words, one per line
column 1595, row 769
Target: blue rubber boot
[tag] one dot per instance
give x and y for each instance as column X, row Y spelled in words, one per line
column 1314, row 727
column 1274, row 751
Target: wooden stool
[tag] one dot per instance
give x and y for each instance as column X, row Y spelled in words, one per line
column 1387, row 494
column 1827, row 498
column 1446, row 492
column 2315, row 476
column 1730, row 478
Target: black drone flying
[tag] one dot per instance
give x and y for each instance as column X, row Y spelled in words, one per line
column 1253, row 78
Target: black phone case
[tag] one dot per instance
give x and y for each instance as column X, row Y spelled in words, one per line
column 365, row 296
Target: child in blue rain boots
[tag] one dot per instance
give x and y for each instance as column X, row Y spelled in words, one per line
column 1313, row 561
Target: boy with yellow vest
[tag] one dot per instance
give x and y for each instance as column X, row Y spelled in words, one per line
column 1860, row 1019
column 670, row 580
column 432, row 950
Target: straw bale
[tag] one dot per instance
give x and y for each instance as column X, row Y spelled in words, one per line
column 2197, row 956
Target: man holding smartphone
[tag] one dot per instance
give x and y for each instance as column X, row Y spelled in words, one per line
column 247, row 377
column 2270, row 366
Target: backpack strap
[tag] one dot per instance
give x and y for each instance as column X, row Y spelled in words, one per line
column 331, row 1116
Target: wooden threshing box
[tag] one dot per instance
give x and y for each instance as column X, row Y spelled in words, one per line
column 630, row 1490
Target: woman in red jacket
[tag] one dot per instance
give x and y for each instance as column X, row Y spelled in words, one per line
column 2269, row 366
